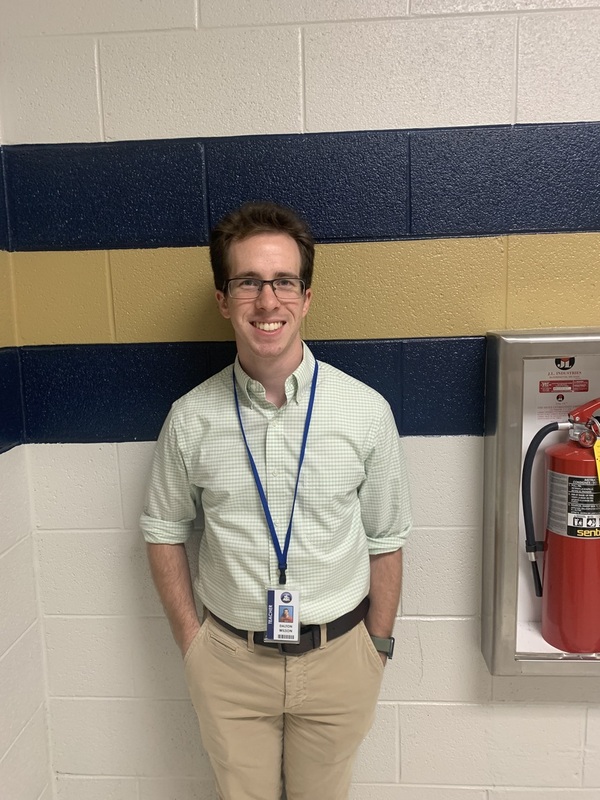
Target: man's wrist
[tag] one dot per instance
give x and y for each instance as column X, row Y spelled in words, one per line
column 185, row 639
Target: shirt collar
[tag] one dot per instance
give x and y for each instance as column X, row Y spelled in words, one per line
column 295, row 386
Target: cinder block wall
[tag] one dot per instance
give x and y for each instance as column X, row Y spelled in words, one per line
column 96, row 705
column 24, row 757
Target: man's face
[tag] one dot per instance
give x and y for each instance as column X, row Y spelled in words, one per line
column 266, row 327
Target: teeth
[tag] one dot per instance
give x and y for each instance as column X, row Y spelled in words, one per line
column 268, row 326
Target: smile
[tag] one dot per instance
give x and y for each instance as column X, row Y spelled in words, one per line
column 268, row 326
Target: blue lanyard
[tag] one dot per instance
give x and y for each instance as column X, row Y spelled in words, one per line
column 281, row 555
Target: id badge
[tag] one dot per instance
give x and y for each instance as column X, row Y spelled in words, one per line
column 283, row 615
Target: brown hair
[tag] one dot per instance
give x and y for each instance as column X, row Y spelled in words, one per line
column 259, row 217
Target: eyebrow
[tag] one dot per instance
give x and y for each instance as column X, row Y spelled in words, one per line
column 253, row 274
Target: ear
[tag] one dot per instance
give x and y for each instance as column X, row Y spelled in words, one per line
column 307, row 299
column 223, row 304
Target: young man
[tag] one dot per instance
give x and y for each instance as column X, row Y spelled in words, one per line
column 298, row 472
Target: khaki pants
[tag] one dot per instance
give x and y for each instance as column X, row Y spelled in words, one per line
column 262, row 713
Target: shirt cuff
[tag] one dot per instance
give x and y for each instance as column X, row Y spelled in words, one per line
column 387, row 544
column 159, row 531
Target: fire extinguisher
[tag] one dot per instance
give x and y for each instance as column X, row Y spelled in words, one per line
column 571, row 578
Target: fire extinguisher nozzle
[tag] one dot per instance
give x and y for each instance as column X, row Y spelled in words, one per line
column 532, row 546
column 537, row 581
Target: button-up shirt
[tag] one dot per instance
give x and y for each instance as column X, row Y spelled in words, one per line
column 352, row 495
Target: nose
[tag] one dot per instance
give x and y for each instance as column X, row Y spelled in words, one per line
column 267, row 297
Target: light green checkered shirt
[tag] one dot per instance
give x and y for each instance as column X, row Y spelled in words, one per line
column 352, row 497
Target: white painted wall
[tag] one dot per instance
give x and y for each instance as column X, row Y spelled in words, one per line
column 24, row 754
column 77, row 70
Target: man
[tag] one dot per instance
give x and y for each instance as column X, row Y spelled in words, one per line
column 298, row 472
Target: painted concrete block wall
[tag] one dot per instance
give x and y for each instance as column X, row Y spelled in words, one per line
column 121, row 727
column 204, row 68
column 24, row 753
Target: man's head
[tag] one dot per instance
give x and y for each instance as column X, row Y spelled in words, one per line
column 254, row 218
column 262, row 258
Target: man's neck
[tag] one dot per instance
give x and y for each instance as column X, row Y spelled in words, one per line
column 272, row 374
column 275, row 391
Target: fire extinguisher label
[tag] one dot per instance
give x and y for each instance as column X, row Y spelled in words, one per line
column 574, row 506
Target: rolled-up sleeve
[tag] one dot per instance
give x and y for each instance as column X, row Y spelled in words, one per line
column 171, row 499
column 384, row 494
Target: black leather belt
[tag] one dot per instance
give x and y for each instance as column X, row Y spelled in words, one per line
column 310, row 635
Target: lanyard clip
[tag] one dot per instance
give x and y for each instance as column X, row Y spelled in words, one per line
column 282, row 576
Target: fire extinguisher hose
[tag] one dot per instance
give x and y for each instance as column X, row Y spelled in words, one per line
column 532, row 546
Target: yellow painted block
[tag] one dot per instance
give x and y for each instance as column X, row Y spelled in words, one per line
column 8, row 331
column 433, row 287
column 165, row 295
column 62, row 298
column 553, row 280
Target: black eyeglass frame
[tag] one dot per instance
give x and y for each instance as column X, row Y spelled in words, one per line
column 271, row 283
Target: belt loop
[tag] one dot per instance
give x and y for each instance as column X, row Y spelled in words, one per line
column 250, row 641
column 323, row 644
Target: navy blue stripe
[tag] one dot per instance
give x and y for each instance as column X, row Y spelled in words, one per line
column 363, row 186
column 4, row 242
column 113, row 393
column 443, row 386
column 347, row 185
column 11, row 412
column 522, row 179
column 89, row 196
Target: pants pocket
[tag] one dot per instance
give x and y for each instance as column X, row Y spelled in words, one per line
column 193, row 644
column 221, row 640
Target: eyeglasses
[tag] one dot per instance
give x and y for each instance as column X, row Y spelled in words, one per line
column 250, row 288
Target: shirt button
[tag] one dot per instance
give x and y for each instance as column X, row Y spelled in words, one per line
column 275, row 473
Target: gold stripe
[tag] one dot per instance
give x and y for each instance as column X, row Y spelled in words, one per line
column 553, row 280
column 8, row 331
column 428, row 287
column 62, row 297
column 439, row 287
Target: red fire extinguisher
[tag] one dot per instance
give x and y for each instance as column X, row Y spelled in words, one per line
column 571, row 579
